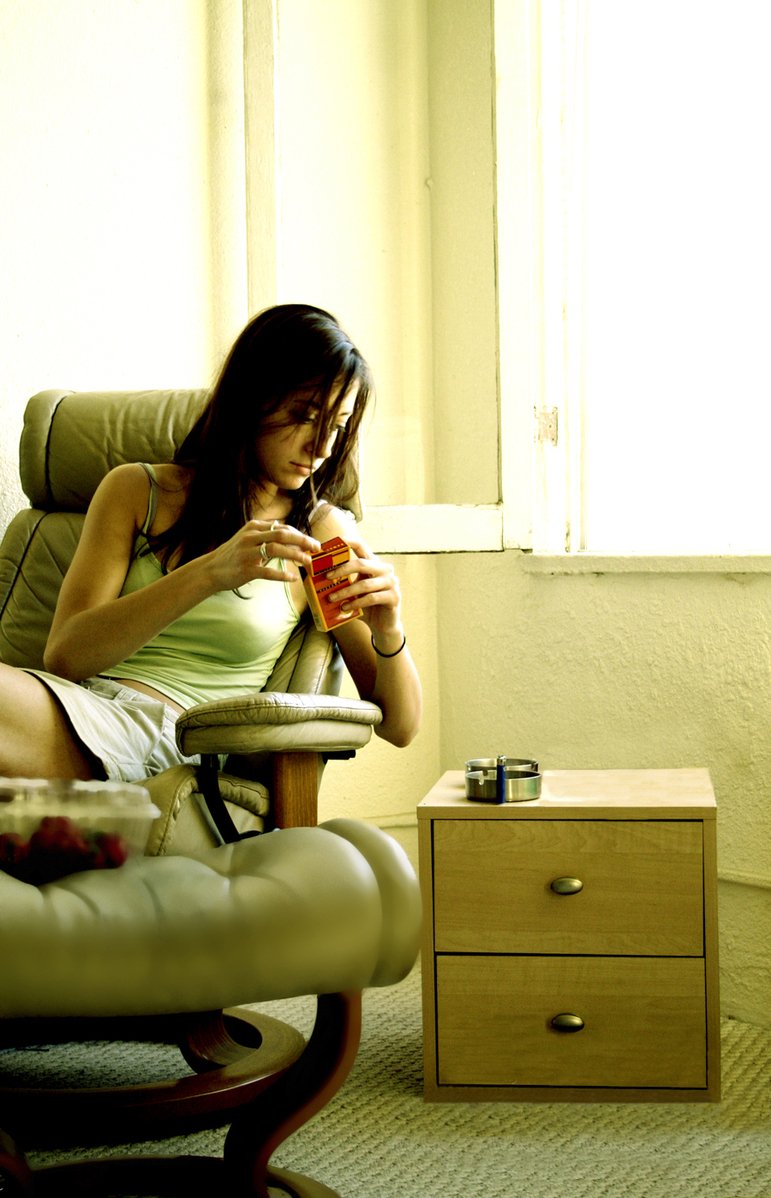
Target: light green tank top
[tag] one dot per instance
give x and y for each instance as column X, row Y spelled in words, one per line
column 225, row 646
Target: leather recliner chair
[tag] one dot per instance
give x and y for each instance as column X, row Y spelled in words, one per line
column 275, row 741
column 165, row 948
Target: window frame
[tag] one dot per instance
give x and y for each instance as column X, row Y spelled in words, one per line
column 529, row 466
column 560, row 508
column 549, row 534
column 508, row 524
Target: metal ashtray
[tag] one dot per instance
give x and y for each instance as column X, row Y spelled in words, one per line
column 503, row 779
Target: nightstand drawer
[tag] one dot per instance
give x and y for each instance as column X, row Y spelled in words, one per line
column 644, row 1022
column 637, row 886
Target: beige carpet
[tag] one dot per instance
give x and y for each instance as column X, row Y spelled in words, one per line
column 378, row 1139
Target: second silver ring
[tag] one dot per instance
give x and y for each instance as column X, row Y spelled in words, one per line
column 264, row 546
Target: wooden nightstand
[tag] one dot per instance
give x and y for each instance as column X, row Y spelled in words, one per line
column 570, row 947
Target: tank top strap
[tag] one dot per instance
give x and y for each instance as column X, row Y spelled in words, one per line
column 318, row 509
column 152, row 502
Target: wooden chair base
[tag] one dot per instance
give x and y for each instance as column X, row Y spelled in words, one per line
column 253, row 1071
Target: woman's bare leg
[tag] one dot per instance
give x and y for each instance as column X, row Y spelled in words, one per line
column 36, row 738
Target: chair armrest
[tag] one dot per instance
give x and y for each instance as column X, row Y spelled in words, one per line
column 275, row 722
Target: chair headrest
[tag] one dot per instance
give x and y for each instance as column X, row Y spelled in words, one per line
column 71, row 439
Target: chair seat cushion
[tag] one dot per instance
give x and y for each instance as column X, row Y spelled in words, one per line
column 298, row 911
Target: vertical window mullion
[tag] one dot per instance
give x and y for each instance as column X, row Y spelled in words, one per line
column 518, row 221
column 552, row 510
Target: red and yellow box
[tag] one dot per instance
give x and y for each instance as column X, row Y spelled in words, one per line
column 319, row 588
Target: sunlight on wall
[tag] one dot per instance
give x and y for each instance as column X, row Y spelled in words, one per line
column 104, row 239
column 354, row 210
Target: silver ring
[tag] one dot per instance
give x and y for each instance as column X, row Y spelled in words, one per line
column 264, row 546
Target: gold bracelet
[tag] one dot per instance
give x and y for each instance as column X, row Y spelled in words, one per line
column 380, row 654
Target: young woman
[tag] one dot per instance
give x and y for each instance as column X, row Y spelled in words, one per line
column 186, row 582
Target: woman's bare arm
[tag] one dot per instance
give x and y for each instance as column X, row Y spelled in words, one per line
column 388, row 678
column 94, row 627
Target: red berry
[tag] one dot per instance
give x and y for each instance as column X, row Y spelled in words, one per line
column 113, row 847
column 13, row 851
column 57, row 833
column 58, row 847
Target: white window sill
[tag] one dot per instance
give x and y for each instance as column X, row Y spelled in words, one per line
column 434, row 528
column 481, row 528
column 588, row 563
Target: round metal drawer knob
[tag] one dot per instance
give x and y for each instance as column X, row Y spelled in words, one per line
column 567, row 1023
column 567, row 885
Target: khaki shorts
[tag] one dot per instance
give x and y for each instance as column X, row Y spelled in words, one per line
column 133, row 735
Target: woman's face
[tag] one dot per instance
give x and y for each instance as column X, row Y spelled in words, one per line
column 287, row 451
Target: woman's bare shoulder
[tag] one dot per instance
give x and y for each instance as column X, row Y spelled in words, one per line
column 122, row 484
column 328, row 521
column 128, row 485
column 172, row 478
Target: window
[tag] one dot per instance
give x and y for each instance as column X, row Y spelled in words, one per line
column 656, row 276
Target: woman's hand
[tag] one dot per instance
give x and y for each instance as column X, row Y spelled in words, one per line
column 374, row 645
column 374, row 588
column 248, row 553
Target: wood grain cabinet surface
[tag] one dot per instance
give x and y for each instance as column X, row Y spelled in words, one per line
column 570, row 945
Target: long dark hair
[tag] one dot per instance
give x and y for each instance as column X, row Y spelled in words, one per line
column 285, row 350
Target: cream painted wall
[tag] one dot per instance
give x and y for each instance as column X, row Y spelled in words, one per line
column 463, row 259
column 353, row 203
column 353, row 234
column 124, row 238
column 104, row 240
column 626, row 670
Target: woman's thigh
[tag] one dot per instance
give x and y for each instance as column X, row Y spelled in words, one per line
column 36, row 737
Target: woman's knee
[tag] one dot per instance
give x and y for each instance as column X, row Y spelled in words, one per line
column 36, row 737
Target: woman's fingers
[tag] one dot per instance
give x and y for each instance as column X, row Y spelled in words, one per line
column 374, row 582
column 259, row 549
column 273, row 539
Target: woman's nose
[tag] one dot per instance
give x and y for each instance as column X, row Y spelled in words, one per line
column 322, row 449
